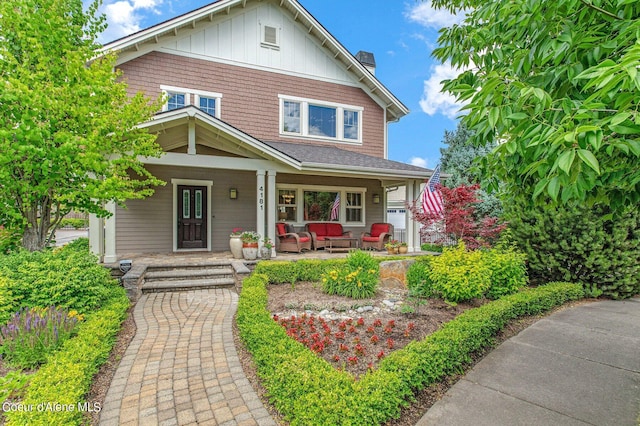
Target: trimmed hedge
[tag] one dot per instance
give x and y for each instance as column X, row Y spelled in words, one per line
column 66, row 377
column 281, row 272
column 302, row 385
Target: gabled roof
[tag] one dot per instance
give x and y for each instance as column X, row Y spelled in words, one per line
column 172, row 27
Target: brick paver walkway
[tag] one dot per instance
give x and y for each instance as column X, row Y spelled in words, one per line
column 182, row 367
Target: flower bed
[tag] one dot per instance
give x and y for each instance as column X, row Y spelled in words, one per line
column 302, row 385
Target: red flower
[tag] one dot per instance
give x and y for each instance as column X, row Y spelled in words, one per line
column 390, row 343
column 336, row 358
column 377, row 323
column 360, row 321
column 339, row 335
column 391, row 323
column 374, row 339
column 380, row 355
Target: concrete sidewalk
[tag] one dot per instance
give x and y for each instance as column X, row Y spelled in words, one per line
column 579, row 366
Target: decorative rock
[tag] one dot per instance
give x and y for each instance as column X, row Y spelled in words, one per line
column 393, row 273
column 324, row 313
column 367, row 308
column 388, row 303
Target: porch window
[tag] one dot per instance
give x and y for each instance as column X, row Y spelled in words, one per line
column 321, row 206
column 316, row 119
column 287, row 204
column 353, row 208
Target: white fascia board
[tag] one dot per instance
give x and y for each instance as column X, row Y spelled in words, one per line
column 210, row 162
column 180, row 116
column 168, row 26
column 364, row 171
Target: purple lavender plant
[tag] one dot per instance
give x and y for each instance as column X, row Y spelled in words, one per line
column 33, row 333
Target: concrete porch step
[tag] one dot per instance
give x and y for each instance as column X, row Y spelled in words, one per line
column 181, row 274
column 188, row 284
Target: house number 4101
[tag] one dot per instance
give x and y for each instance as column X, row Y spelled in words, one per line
column 261, row 198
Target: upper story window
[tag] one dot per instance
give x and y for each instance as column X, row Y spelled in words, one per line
column 320, row 120
column 178, row 97
column 176, row 100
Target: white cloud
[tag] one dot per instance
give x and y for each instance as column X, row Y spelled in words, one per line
column 124, row 17
column 418, row 161
column 426, row 15
column 433, row 99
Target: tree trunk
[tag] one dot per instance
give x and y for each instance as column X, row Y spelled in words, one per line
column 32, row 240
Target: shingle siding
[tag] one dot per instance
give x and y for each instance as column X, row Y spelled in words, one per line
column 250, row 96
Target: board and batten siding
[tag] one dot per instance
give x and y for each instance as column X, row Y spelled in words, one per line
column 146, row 226
column 237, row 38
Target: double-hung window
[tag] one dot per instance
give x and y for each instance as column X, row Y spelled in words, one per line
column 177, row 97
column 314, row 203
column 314, row 119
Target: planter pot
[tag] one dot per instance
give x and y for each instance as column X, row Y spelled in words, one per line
column 235, row 245
column 403, row 249
column 392, row 250
column 265, row 253
column 250, row 251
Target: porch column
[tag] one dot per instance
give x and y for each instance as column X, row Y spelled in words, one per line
column 110, row 255
column 96, row 236
column 260, row 203
column 191, row 149
column 271, row 209
column 409, row 224
column 416, row 225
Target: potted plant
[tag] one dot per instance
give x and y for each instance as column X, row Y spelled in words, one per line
column 403, row 248
column 235, row 243
column 392, row 246
column 267, row 245
column 250, row 244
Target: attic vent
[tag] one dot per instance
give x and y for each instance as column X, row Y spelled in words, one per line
column 270, row 36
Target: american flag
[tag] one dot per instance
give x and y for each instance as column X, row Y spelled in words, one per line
column 431, row 197
column 335, row 210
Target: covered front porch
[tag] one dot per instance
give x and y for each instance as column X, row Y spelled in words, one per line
column 219, row 178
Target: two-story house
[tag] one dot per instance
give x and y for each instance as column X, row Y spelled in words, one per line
column 267, row 118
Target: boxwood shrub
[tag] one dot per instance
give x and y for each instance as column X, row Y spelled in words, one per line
column 307, row 390
column 66, row 377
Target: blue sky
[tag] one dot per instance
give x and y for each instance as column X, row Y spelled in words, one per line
column 401, row 34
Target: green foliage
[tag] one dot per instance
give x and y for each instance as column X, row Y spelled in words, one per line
column 358, row 278
column 61, row 110
column 12, row 384
column 75, row 223
column 431, row 247
column 9, row 240
column 8, row 303
column 585, row 245
column 67, row 375
column 557, row 83
column 460, row 160
column 67, row 277
column 302, row 385
column 33, row 334
column 459, row 275
column 508, row 271
column 418, row 278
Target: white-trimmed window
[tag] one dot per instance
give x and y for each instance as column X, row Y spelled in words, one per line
column 315, row 119
column 302, row 204
column 178, row 97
